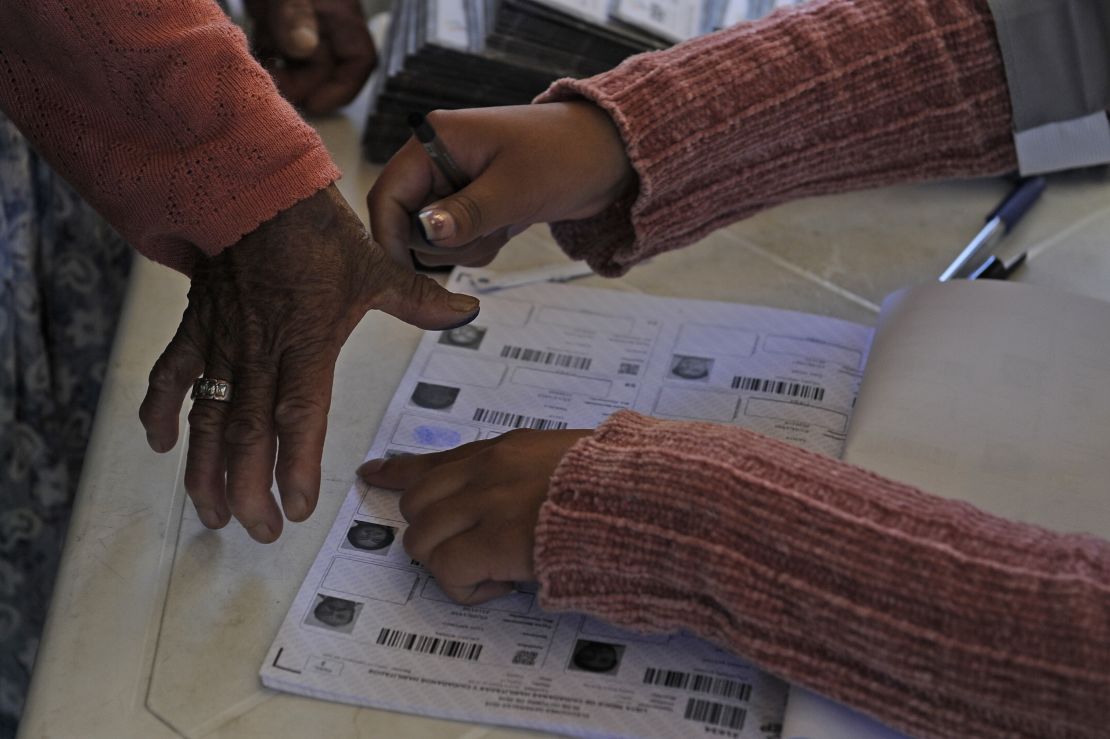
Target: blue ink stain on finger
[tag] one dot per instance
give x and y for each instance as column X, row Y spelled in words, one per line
column 436, row 436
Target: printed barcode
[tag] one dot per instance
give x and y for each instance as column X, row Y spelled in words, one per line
column 779, row 387
column 571, row 361
column 453, row 648
column 722, row 687
column 717, row 714
column 516, row 421
column 628, row 368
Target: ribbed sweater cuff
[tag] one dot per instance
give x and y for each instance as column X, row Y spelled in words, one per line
column 858, row 587
column 828, row 97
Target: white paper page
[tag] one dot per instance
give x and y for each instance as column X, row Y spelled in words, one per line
column 676, row 20
column 447, row 24
column 370, row 626
column 989, row 392
column 811, row 716
column 594, row 10
column 1006, row 385
column 1076, row 260
column 748, row 10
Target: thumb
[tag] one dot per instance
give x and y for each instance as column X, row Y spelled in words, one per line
column 421, row 301
column 294, row 28
column 488, row 204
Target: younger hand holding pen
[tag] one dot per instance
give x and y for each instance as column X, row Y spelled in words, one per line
column 528, row 164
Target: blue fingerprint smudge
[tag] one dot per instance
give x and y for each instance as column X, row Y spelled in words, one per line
column 436, row 436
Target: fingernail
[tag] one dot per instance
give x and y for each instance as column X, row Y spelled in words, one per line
column 210, row 517
column 370, row 467
column 156, row 444
column 304, row 39
column 463, row 303
column 261, row 532
column 437, row 223
column 296, row 508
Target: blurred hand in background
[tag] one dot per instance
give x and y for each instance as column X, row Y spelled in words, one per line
column 319, row 52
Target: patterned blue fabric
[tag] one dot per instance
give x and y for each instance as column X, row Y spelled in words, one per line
column 62, row 275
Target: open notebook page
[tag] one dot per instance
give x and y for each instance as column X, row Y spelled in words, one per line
column 990, row 392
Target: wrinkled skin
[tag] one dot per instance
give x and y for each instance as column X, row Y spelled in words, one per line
column 270, row 314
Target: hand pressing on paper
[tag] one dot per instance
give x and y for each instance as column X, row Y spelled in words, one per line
column 472, row 510
column 528, row 164
column 319, row 52
column 269, row 315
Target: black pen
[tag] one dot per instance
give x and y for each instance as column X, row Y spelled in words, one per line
column 997, row 268
column 1000, row 221
column 445, row 163
column 440, row 157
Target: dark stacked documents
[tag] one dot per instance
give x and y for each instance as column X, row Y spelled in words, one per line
column 477, row 53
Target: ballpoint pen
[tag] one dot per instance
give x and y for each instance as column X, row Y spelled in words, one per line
column 443, row 161
column 997, row 268
column 999, row 223
column 446, row 165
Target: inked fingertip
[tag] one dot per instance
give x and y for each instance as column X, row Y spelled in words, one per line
column 464, row 303
column 465, row 321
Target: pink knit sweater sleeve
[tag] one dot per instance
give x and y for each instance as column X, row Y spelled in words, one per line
column 159, row 116
column 929, row 614
column 831, row 96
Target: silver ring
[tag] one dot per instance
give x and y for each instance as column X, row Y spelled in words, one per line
column 209, row 388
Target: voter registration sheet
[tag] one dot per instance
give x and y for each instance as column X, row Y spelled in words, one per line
column 370, row 626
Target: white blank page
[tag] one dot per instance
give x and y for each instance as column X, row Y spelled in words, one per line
column 996, row 393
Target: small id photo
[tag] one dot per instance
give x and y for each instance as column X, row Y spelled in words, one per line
column 602, row 658
column 367, row 536
column 335, row 614
column 468, row 336
column 434, row 397
column 686, row 367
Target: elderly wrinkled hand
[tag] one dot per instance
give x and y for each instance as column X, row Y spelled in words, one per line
column 319, row 52
column 268, row 316
column 472, row 510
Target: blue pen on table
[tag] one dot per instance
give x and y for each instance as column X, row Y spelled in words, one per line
column 999, row 223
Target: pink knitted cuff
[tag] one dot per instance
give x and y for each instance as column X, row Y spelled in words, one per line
column 827, row 97
column 253, row 205
column 159, row 116
column 859, row 587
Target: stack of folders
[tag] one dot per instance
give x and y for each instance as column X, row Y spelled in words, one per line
column 477, row 53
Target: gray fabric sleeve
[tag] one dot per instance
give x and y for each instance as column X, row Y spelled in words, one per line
column 1057, row 59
